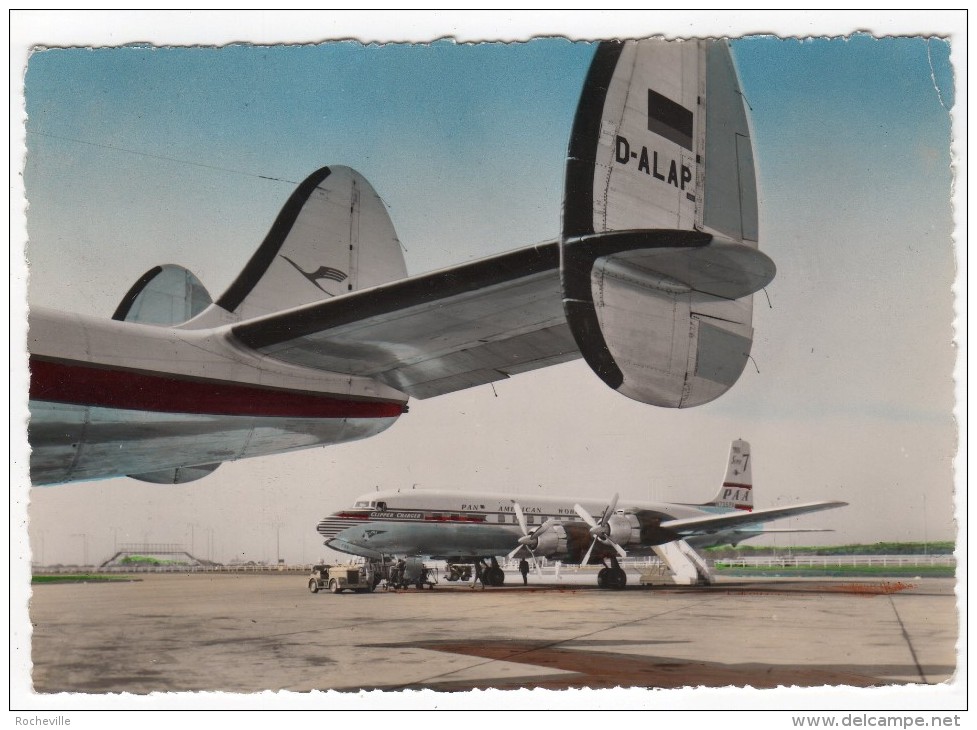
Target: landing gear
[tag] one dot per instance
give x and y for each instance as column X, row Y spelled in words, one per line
column 458, row 571
column 490, row 575
column 495, row 575
column 612, row 577
column 617, row 579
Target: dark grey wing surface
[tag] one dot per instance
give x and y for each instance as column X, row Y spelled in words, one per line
column 444, row 331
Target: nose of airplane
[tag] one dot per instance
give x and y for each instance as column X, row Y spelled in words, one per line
column 331, row 526
column 336, row 522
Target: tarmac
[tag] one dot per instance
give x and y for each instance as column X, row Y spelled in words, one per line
column 245, row 633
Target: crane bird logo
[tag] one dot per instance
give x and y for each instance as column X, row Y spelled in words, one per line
column 323, row 272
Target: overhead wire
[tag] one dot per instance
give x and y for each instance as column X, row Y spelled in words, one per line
column 162, row 157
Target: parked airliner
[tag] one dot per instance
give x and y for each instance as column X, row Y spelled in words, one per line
column 323, row 338
column 471, row 527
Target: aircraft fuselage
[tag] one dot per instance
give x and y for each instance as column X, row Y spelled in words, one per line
column 448, row 525
column 111, row 398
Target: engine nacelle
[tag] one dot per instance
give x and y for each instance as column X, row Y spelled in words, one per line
column 623, row 528
column 552, row 543
column 570, row 540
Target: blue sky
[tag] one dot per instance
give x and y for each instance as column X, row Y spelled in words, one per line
column 140, row 156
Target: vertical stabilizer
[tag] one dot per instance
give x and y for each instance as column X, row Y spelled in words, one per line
column 659, row 257
column 332, row 236
column 736, row 491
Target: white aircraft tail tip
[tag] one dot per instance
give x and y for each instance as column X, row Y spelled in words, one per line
column 736, row 491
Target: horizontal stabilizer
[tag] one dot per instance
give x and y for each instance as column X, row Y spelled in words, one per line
column 435, row 333
column 735, row 520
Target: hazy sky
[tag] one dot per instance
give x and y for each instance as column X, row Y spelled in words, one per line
column 142, row 156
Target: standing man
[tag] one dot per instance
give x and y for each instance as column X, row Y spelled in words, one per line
column 524, row 569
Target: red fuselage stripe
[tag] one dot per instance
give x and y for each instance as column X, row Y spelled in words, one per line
column 427, row 517
column 81, row 384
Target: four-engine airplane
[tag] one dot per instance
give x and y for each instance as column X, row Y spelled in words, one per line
column 463, row 527
column 323, row 338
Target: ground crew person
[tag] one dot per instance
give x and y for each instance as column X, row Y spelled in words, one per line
column 524, row 569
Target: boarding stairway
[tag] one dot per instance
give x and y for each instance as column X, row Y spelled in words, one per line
column 686, row 565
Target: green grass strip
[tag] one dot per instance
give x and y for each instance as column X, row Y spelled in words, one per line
column 840, row 570
column 81, row 578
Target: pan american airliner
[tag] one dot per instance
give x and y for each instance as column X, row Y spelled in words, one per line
column 323, row 337
column 468, row 527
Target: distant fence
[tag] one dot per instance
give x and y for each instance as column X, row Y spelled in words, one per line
column 828, row 561
column 143, row 568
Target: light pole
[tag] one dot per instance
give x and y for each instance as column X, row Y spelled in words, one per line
column 924, row 524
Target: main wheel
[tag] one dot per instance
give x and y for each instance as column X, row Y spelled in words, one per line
column 313, row 586
column 602, row 578
column 496, row 577
column 616, row 578
column 334, row 586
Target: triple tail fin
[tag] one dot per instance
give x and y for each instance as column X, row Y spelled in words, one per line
column 736, row 491
column 332, row 236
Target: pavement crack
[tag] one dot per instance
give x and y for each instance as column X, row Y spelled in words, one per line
column 909, row 641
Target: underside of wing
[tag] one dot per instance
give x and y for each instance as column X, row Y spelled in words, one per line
column 735, row 520
column 435, row 333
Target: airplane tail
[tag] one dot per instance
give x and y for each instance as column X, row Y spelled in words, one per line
column 164, row 295
column 659, row 257
column 332, row 236
column 736, row 491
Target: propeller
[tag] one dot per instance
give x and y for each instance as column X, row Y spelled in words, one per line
column 599, row 529
column 528, row 538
